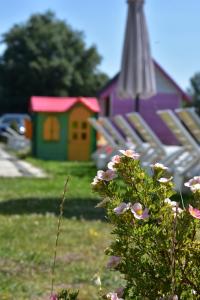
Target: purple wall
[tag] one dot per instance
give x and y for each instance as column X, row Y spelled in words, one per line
column 148, row 110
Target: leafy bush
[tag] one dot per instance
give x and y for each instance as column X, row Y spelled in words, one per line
column 155, row 245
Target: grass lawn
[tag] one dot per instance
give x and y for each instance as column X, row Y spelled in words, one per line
column 29, row 211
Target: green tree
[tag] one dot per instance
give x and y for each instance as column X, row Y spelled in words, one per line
column 195, row 91
column 45, row 56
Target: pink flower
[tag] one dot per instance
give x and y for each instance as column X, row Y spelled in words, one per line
column 115, row 160
column 114, row 261
column 177, row 210
column 106, row 175
column 121, row 208
column 53, row 297
column 113, row 296
column 193, row 184
column 130, row 153
column 194, row 212
column 138, row 211
column 174, row 205
column 159, row 166
column 165, row 180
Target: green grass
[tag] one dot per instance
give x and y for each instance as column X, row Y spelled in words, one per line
column 29, row 211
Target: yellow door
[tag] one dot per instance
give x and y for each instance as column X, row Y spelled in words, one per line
column 79, row 134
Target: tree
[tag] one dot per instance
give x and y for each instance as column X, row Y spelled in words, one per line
column 45, row 56
column 195, row 91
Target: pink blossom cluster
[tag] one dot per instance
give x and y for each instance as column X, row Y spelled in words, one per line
column 113, row 296
column 193, row 184
column 110, row 174
column 107, row 175
column 115, row 160
column 116, row 295
column 174, row 205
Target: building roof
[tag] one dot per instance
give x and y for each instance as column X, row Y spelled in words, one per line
column 167, row 76
column 61, row 104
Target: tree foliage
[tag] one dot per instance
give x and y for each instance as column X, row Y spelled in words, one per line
column 195, row 91
column 45, row 56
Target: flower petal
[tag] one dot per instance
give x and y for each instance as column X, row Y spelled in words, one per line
column 116, row 159
column 159, row 166
column 121, row 208
column 145, row 214
column 137, row 206
column 130, row 153
column 165, row 180
column 172, row 203
column 138, row 211
column 194, row 212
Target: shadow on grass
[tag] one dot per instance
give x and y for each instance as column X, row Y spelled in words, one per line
column 79, row 208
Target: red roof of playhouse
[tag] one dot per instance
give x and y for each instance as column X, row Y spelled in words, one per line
column 61, row 104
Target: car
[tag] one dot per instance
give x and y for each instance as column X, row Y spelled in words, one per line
column 14, row 121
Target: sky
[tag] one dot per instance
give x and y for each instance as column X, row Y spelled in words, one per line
column 174, row 29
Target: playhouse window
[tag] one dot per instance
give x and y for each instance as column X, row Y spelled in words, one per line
column 51, row 129
column 84, row 136
column 75, row 124
column 75, row 136
column 84, row 125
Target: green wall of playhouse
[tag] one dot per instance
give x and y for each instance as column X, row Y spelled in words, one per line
column 54, row 150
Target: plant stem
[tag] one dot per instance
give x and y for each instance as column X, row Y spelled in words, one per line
column 57, row 234
column 173, row 258
column 182, row 199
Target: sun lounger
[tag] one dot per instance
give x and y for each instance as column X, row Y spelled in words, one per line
column 192, row 149
column 191, row 120
column 132, row 137
column 102, row 155
column 164, row 154
column 98, row 127
column 116, row 135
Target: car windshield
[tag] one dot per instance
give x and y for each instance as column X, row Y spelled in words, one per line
column 9, row 120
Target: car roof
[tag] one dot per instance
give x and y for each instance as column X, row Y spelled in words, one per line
column 14, row 116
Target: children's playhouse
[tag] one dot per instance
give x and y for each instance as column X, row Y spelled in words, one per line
column 60, row 127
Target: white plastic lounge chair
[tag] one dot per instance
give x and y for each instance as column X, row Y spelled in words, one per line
column 98, row 127
column 164, row 154
column 132, row 136
column 116, row 135
column 102, row 156
column 126, row 142
column 192, row 149
column 191, row 120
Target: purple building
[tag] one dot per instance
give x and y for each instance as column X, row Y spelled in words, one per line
column 169, row 96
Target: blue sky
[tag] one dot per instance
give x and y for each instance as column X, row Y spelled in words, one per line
column 174, row 28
